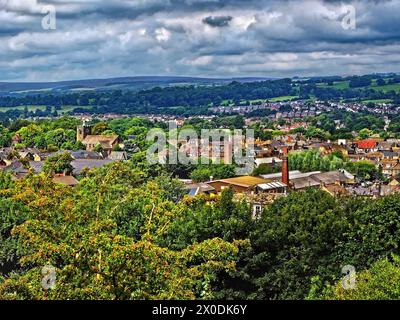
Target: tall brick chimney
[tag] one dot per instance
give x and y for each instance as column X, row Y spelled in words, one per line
column 285, row 167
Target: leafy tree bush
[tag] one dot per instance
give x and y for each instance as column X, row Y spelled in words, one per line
column 380, row 282
column 59, row 163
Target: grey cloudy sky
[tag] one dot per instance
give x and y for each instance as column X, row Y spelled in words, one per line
column 214, row 38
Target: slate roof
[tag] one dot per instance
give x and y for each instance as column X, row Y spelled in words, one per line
column 331, row 177
column 301, row 183
column 83, row 154
column 81, row 164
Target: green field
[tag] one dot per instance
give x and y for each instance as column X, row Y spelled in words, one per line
column 229, row 102
column 345, row 85
column 64, row 109
column 283, row 98
column 378, row 101
column 276, row 99
column 336, row 85
column 388, row 87
column 30, row 108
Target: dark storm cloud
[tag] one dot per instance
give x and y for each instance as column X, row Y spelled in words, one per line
column 221, row 21
column 104, row 38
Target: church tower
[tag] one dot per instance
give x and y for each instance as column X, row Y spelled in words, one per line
column 83, row 131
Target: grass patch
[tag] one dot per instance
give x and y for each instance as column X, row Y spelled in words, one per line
column 283, row 98
column 378, row 101
column 340, row 85
column 387, row 87
column 64, row 109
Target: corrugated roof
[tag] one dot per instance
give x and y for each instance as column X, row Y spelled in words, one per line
column 292, row 175
column 272, row 185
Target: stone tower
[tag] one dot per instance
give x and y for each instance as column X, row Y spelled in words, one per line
column 83, row 131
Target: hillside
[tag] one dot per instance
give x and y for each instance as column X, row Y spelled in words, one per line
column 125, row 83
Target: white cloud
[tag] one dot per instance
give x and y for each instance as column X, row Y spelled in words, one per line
column 162, row 34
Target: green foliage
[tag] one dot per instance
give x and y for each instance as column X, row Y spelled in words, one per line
column 99, row 128
column 380, row 282
column 364, row 169
column 296, row 238
column 29, row 134
column 203, row 173
column 5, row 137
column 265, row 168
column 59, row 137
column 6, row 180
column 59, row 163
column 313, row 132
column 128, row 231
column 364, row 133
column 375, row 232
column 45, row 135
column 307, row 161
column 172, row 189
column 197, row 220
column 101, row 239
column 98, row 148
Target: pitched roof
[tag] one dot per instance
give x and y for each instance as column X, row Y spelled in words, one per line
column 196, row 188
column 304, row 182
column 118, row 155
column 335, row 189
column 367, row 144
column 292, row 175
column 104, row 141
column 244, row 181
column 83, row 154
column 385, row 146
column 36, row 166
column 16, row 167
column 331, row 177
column 66, row 180
column 80, row 164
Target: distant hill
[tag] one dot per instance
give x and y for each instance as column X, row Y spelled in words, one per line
column 125, row 83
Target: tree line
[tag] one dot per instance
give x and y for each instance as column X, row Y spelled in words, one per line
column 130, row 232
